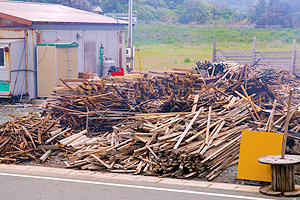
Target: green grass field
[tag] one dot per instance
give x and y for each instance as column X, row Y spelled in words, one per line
column 166, row 56
column 166, row 46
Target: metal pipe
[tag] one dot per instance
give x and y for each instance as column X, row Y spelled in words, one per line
column 140, row 60
column 130, row 32
column 130, row 24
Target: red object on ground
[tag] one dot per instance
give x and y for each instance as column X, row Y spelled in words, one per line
column 118, row 73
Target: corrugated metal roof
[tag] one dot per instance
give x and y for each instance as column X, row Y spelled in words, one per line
column 52, row 13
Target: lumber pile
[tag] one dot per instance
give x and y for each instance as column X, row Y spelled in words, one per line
column 281, row 81
column 168, row 144
column 82, row 86
column 24, row 138
column 211, row 69
column 170, row 124
column 177, row 84
column 99, row 112
column 181, row 144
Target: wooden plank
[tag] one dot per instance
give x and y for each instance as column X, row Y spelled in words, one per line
column 196, row 98
column 187, row 129
column 240, row 50
column 208, row 124
column 276, row 52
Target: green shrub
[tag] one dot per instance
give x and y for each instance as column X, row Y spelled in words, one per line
column 187, row 60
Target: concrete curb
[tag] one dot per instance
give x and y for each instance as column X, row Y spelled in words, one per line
column 96, row 175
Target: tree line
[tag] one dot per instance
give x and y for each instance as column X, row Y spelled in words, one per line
column 264, row 13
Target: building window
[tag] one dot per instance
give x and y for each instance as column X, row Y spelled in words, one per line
column 1, row 57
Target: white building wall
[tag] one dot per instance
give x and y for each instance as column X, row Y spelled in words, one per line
column 89, row 45
column 106, row 35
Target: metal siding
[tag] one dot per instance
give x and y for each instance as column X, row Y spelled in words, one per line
column 79, row 40
column 123, row 50
column 105, row 34
column 89, row 47
column 31, row 62
column 64, row 36
column 18, row 82
column 120, row 52
column 101, row 39
column 112, row 46
column 49, row 36
column 12, row 34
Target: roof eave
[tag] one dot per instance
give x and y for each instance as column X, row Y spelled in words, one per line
column 77, row 23
column 16, row 19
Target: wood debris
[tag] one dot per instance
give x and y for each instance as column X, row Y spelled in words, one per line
column 170, row 144
column 170, row 124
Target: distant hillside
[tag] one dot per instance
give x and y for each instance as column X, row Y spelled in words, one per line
column 166, row 11
column 263, row 13
column 177, row 11
column 240, row 5
column 153, row 34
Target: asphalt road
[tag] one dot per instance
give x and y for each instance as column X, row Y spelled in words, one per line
column 33, row 187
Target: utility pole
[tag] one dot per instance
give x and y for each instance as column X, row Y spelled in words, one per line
column 130, row 49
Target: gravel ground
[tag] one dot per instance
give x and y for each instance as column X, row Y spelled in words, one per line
column 226, row 176
column 16, row 110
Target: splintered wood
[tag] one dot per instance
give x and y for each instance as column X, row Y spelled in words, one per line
column 178, row 84
column 170, row 124
column 198, row 143
column 169, row 144
column 24, row 138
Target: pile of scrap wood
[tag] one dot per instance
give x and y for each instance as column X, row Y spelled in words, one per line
column 25, row 138
column 265, row 84
column 174, row 123
column 209, row 69
column 169, row 144
column 82, row 86
column 178, row 84
column 178, row 144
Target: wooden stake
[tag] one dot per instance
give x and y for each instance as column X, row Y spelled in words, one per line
column 195, row 103
column 251, row 103
column 208, row 124
column 271, row 117
column 187, row 129
column 286, row 126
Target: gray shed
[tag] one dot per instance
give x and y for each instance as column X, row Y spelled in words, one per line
column 29, row 24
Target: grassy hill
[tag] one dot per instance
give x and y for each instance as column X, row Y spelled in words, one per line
column 167, row 46
column 148, row 34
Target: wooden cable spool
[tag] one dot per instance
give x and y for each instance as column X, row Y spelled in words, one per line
column 282, row 167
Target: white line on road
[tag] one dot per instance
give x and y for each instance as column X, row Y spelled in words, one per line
column 133, row 186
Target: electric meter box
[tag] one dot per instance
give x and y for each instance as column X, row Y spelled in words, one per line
column 12, row 68
column 55, row 61
column 128, row 52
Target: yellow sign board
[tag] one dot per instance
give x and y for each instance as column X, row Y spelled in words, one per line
column 255, row 144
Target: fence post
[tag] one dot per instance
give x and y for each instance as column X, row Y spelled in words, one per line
column 214, row 51
column 293, row 56
column 253, row 51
